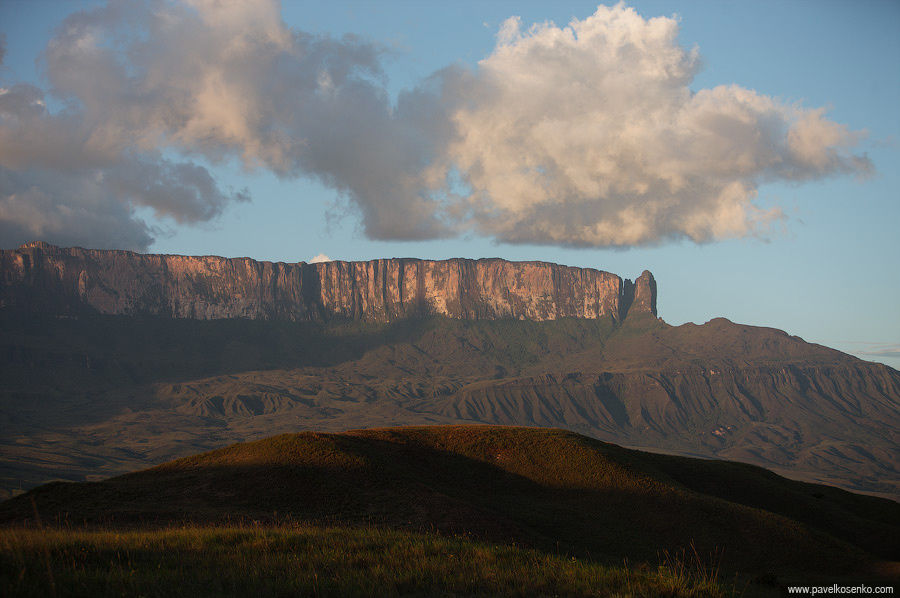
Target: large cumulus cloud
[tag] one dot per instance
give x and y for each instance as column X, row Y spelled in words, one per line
column 587, row 134
column 591, row 135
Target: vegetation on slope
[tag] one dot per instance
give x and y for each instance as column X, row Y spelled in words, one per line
column 294, row 560
column 546, row 489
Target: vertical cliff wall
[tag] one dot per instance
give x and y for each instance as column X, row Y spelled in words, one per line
column 42, row 277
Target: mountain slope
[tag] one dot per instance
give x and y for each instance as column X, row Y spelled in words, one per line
column 101, row 395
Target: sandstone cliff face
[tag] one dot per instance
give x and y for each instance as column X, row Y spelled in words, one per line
column 42, row 277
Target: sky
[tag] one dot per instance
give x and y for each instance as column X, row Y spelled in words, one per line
column 746, row 153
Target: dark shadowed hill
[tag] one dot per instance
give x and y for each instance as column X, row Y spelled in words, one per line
column 548, row 489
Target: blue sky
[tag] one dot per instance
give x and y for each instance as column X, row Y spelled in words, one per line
column 825, row 270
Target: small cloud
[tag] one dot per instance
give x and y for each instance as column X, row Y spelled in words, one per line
column 319, row 259
column 870, row 349
column 881, row 350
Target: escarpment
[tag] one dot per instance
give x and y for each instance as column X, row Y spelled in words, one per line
column 41, row 277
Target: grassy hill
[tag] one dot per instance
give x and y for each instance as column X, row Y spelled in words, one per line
column 550, row 491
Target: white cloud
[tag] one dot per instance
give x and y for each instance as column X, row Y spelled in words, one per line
column 591, row 135
column 319, row 259
column 587, row 134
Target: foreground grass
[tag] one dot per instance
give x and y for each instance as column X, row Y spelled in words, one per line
column 314, row 561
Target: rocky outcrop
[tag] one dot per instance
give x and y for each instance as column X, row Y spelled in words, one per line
column 644, row 294
column 639, row 296
column 41, row 277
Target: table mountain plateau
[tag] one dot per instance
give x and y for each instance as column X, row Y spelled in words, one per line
column 38, row 276
column 112, row 361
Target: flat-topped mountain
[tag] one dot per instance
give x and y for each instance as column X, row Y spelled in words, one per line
column 38, row 276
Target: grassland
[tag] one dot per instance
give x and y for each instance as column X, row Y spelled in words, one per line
column 313, row 561
column 520, row 502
